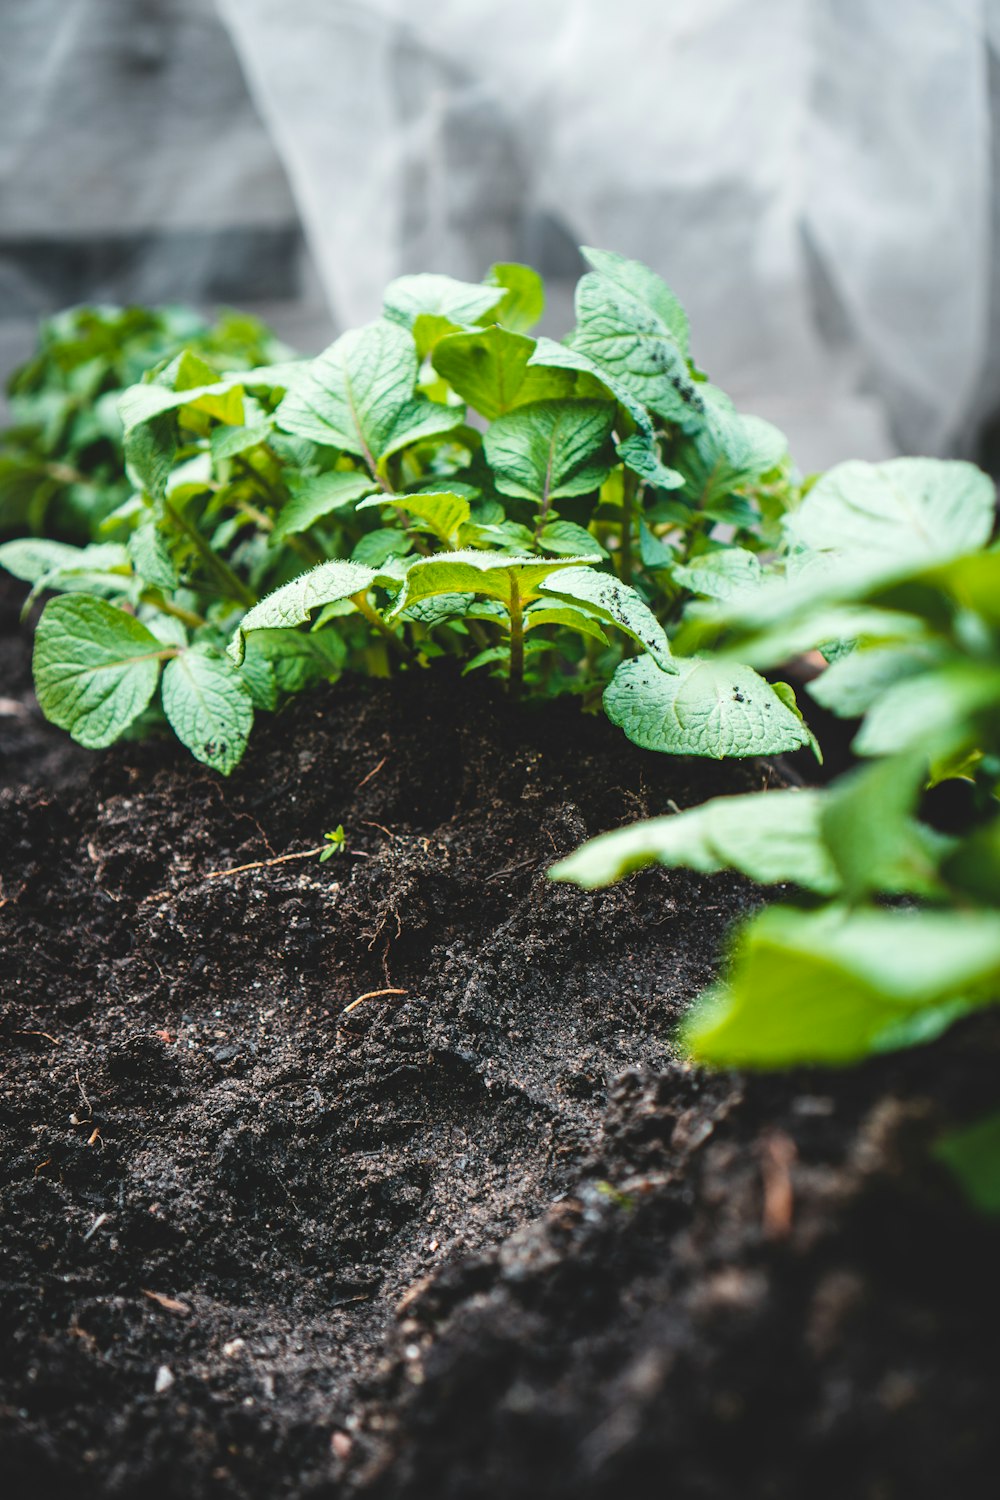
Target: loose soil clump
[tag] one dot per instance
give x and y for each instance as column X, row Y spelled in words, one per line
column 382, row 1176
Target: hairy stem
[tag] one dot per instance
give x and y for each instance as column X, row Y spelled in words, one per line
column 375, row 620
column 516, row 678
column 231, row 585
column 630, row 483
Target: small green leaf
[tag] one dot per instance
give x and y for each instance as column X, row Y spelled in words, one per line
column 96, row 668
column 439, row 511
column 703, row 707
column 727, row 452
column 316, row 496
column 940, row 711
column 293, row 603
column 611, row 599
column 208, row 706
column 871, row 833
column 641, row 454
column 408, row 297
column 563, row 614
column 833, row 986
column 295, row 657
column 906, row 509
column 973, row 1154
column 551, row 449
column 147, row 547
column 772, row 838
column 493, row 574
column 720, row 575
column 32, row 558
column 229, row 442
column 523, row 301
column 569, row 539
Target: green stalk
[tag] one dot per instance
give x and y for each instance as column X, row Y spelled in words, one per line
column 630, row 484
column 166, row 606
column 375, row 620
column 232, row 586
column 516, row 677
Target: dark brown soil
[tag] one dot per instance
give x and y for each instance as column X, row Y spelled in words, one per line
column 483, row 1236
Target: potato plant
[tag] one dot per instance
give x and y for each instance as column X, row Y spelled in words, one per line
column 891, row 931
column 437, row 484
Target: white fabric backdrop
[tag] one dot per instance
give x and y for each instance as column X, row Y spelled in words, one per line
column 814, row 177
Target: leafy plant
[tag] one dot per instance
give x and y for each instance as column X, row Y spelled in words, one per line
column 61, row 464
column 889, row 573
column 438, row 483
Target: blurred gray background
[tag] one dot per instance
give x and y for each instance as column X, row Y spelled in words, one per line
column 817, row 179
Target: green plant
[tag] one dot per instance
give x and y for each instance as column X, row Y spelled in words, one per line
column 439, row 483
column 336, row 843
column 61, row 462
column 887, row 573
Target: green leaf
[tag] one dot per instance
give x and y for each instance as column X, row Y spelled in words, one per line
column 358, row 397
column 96, row 668
column 295, row 657
column 611, row 599
column 408, row 297
column 32, row 558
column 493, row 574
column 772, row 838
column 552, row 356
column 439, row 511
column 906, row 508
column 551, row 449
column 703, row 707
column 569, row 539
column 377, row 548
column 563, row 614
column 315, row 496
column 523, row 301
column 641, row 454
column 490, row 370
column 293, row 603
column 871, row 834
column 720, row 575
column 229, row 442
column 147, row 547
column 632, row 326
column 938, row 711
column 833, row 986
column 208, row 706
column 727, row 452
column 852, row 685
column 973, row 1154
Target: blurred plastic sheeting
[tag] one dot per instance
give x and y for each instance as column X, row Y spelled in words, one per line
column 133, row 164
column 813, row 177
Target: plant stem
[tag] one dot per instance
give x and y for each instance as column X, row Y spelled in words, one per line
column 186, row 616
column 233, row 586
column 630, row 483
column 375, row 620
column 516, row 677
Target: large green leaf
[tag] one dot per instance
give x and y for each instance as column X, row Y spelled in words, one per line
column 96, row 668
column 611, row 599
column 772, row 838
column 293, row 603
column 493, row 574
column 489, row 368
column 358, row 397
column 703, row 707
column 441, row 512
column 209, row 707
column 855, row 683
column 410, row 297
column 318, row 495
column 632, row 326
column 551, row 449
column 906, row 508
column 873, row 839
column 833, row 986
column 939, row 711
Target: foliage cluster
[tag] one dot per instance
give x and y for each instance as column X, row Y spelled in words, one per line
column 893, row 930
column 439, row 483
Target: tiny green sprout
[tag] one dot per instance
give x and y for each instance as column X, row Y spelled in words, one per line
column 336, row 843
